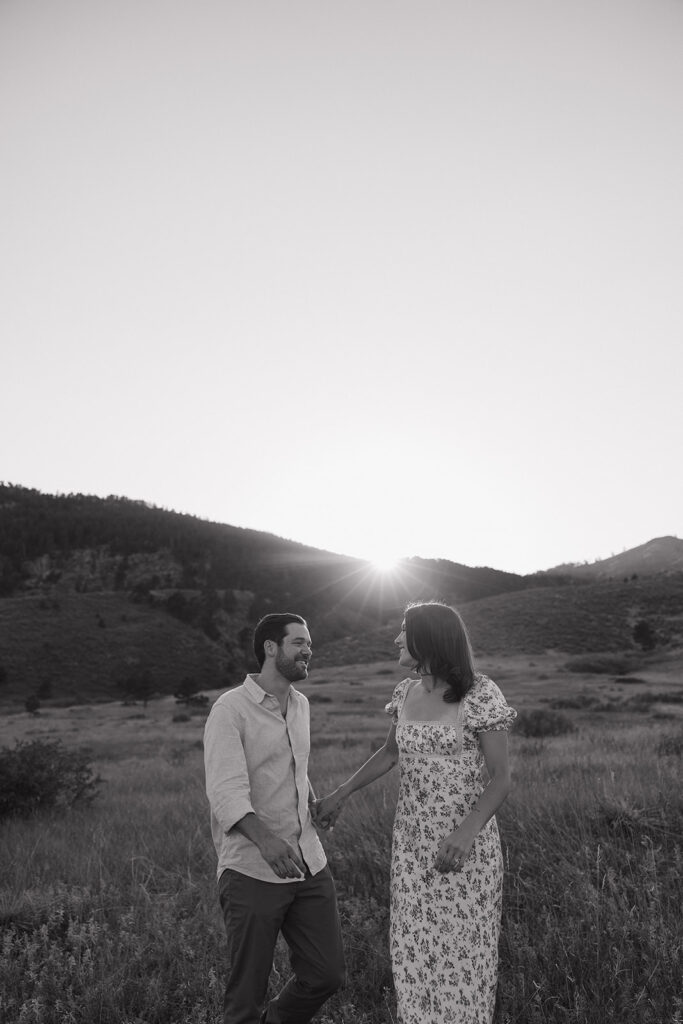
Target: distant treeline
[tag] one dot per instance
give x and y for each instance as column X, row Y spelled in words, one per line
column 331, row 590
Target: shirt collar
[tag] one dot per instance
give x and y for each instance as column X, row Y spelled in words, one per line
column 252, row 687
column 255, row 691
column 258, row 694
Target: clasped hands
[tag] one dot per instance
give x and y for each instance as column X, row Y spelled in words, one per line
column 325, row 812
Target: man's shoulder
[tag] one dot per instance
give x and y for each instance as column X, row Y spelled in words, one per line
column 231, row 698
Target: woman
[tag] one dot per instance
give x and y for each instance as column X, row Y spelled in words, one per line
column 446, row 865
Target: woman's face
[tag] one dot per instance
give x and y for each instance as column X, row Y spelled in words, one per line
column 405, row 658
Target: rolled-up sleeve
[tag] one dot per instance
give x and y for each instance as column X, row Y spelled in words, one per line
column 227, row 778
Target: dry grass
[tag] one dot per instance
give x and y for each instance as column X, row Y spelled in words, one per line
column 109, row 912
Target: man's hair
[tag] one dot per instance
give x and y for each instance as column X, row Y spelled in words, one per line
column 272, row 627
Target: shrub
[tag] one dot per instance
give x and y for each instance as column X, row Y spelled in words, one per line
column 139, row 685
column 644, row 701
column 644, row 635
column 186, row 691
column 540, row 722
column 600, row 664
column 43, row 773
column 575, row 702
column 32, row 704
column 671, row 746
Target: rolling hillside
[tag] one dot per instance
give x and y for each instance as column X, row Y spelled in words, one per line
column 95, row 591
column 660, row 555
column 575, row 619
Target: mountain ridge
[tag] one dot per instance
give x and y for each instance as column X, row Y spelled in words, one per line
column 96, row 590
column 658, row 555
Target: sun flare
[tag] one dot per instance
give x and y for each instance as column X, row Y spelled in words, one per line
column 384, row 563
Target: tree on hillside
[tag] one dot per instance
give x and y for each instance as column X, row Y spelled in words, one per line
column 32, row 704
column 644, row 635
column 139, row 685
column 187, row 689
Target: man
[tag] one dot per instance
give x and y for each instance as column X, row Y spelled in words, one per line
column 272, row 871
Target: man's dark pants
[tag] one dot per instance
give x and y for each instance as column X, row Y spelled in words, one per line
column 306, row 914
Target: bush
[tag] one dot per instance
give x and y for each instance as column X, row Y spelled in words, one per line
column 644, row 701
column 671, row 746
column 575, row 702
column 189, row 695
column 187, row 689
column 43, row 773
column 600, row 664
column 644, row 635
column 139, row 685
column 540, row 722
column 32, row 704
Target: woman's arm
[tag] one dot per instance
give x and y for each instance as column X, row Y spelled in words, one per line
column 455, row 848
column 382, row 761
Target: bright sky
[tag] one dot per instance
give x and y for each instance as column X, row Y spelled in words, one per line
column 387, row 278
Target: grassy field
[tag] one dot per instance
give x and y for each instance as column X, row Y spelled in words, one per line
column 109, row 911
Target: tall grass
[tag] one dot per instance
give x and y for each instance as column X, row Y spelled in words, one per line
column 109, row 912
column 592, row 922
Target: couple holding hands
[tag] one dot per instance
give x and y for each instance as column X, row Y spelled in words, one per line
column 448, row 734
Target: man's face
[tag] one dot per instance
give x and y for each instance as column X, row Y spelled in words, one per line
column 294, row 653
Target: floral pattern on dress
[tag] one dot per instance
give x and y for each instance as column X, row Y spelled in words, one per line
column 444, row 927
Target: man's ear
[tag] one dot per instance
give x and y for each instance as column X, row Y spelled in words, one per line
column 270, row 647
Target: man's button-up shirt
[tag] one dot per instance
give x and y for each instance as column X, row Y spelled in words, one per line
column 256, row 759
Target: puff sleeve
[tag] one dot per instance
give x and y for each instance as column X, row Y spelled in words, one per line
column 394, row 706
column 487, row 709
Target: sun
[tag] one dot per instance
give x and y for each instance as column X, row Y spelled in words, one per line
column 384, row 563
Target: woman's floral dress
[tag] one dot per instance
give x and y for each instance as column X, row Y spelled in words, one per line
column 444, row 927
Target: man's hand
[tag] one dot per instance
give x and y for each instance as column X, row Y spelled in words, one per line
column 283, row 858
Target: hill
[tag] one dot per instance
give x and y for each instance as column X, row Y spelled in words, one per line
column 660, row 555
column 94, row 590
column 74, row 647
column 88, row 544
column 576, row 619
column 97, row 592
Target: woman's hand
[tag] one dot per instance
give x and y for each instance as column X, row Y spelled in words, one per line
column 328, row 810
column 454, row 849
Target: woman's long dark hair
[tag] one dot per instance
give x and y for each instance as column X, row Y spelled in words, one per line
column 437, row 639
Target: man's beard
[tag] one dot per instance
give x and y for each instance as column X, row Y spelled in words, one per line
column 291, row 669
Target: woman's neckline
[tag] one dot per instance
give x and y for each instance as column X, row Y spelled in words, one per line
column 453, row 722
